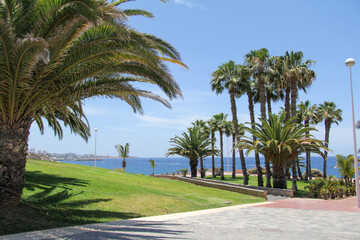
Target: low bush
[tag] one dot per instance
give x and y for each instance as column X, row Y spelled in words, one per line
column 254, row 170
column 217, row 171
column 314, row 173
column 329, row 188
column 205, row 169
column 184, row 171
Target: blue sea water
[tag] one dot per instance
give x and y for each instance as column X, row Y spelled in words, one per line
column 170, row 165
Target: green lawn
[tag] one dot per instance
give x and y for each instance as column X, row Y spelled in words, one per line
column 253, row 181
column 59, row 194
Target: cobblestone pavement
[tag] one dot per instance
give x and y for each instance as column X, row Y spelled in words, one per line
column 235, row 222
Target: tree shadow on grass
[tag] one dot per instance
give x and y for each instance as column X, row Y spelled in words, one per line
column 51, row 205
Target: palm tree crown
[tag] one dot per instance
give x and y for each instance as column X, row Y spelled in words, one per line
column 193, row 145
column 330, row 114
column 123, row 152
column 280, row 141
column 57, row 53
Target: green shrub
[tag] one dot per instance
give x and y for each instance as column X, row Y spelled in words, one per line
column 184, row 171
column 217, row 171
column 254, row 170
column 314, row 173
column 329, row 188
column 314, row 187
column 205, row 169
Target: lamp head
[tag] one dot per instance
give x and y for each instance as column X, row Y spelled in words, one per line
column 350, row 62
column 96, row 129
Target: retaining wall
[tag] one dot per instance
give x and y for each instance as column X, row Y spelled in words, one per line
column 220, row 185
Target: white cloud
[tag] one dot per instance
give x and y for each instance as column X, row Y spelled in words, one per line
column 190, row 4
column 180, row 123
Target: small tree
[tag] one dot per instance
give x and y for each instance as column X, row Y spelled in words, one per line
column 193, row 145
column 345, row 166
column 123, row 152
column 153, row 165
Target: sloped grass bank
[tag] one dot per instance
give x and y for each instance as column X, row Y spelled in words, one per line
column 59, row 194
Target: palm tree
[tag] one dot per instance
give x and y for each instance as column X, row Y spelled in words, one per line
column 153, row 166
column 228, row 76
column 193, row 145
column 202, row 125
column 54, row 55
column 229, row 131
column 280, row 141
column 212, row 129
column 345, row 166
column 296, row 75
column 220, row 121
column 123, row 152
column 330, row 114
column 246, row 87
column 258, row 60
column 306, row 113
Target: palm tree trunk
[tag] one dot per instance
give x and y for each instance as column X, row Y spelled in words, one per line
column 308, row 169
column 309, row 165
column 221, row 156
column 327, row 134
column 294, row 95
column 298, row 168
column 245, row 174
column 212, row 155
column 14, row 147
column 279, row 179
column 237, row 134
column 202, row 173
column 124, row 164
column 287, row 103
column 233, row 159
column 193, row 166
column 252, row 119
column 268, row 99
column 263, row 114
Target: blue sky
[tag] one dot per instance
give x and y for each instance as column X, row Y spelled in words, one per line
column 208, row 33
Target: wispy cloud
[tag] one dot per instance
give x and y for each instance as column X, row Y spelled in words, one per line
column 190, row 4
column 180, row 123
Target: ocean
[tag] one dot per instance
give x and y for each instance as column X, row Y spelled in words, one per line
column 171, row 165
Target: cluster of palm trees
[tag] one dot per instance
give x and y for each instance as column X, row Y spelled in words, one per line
column 54, row 55
column 264, row 80
column 199, row 142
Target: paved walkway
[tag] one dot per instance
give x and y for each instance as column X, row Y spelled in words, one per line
column 252, row 221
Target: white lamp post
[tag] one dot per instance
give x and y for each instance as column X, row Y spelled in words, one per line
column 350, row 62
column 95, row 144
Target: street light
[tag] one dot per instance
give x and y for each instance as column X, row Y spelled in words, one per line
column 350, row 62
column 95, row 144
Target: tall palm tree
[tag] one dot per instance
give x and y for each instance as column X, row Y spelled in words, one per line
column 306, row 113
column 212, row 129
column 230, row 131
column 258, row 60
column 193, row 145
column 330, row 114
column 54, row 55
column 123, row 152
column 297, row 74
column 246, row 87
column 220, row 121
column 228, row 76
column 280, row 141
